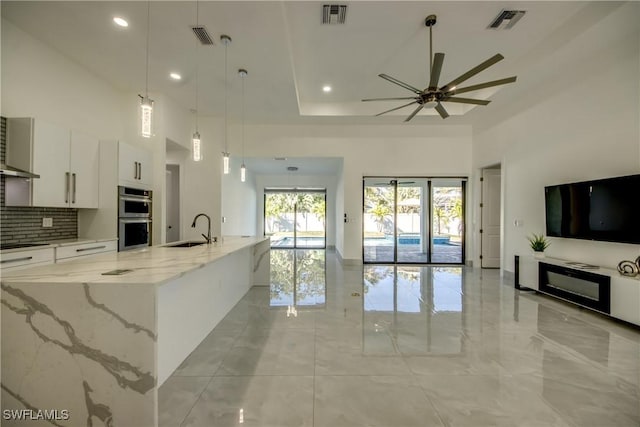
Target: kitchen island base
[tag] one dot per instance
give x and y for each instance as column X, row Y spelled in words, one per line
column 91, row 349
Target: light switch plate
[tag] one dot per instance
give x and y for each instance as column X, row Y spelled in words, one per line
column 47, row 222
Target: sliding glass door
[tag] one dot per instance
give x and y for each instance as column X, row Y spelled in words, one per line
column 413, row 220
column 448, row 221
column 379, row 220
column 295, row 218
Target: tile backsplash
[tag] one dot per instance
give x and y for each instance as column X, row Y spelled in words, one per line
column 24, row 224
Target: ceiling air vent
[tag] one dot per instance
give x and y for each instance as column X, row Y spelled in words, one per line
column 506, row 19
column 202, row 34
column 334, row 13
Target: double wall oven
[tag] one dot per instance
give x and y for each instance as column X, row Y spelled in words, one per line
column 134, row 218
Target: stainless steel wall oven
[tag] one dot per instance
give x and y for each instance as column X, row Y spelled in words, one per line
column 134, row 218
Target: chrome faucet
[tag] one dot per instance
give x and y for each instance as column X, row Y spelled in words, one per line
column 208, row 236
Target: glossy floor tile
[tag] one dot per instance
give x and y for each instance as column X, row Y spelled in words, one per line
column 333, row 345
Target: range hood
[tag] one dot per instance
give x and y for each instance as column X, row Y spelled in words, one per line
column 15, row 172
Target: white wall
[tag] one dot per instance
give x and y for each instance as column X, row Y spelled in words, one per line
column 202, row 181
column 39, row 82
column 239, row 201
column 294, row 180
column 367, row 150
column 586, row 126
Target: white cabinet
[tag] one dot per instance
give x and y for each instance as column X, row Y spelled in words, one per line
column 84, row 166
column 625, row 298
column 134, row 166
column 28, row 258
column 67, row 162
column 70, row 252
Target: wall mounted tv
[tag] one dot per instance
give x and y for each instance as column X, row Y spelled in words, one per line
column 605, row 209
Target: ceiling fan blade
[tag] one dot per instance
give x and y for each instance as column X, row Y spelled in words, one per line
column 441, row 110
column 472, row 72
column 394, row 109
column 435, row 71
column 484, row 85
column 466, row 101
column 389, row 99
column 416, row 111
column 399, row 83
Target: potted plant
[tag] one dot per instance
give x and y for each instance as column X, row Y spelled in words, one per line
column 538, row 243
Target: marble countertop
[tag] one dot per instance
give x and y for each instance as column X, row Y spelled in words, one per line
column 57, row 243
column 151, row 266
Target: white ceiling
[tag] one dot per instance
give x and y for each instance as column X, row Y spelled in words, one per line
column 305, row 165
column 290, row 55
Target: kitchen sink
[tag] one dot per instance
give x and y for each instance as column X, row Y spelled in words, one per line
column 185, row 244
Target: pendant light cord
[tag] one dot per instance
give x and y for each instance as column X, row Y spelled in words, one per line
column 243, row 77
column 197, row 65
column 146, row 84
column 226, row 45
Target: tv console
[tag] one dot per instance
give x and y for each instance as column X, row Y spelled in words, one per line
column 597, row 288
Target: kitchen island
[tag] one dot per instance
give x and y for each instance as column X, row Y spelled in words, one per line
column 99, row 345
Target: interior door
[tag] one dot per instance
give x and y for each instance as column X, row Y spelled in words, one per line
column 490, row 218
column 173, row 203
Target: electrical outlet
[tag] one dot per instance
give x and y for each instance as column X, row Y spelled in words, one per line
column 47, row 222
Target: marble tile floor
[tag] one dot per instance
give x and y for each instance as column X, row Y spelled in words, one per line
column 407, row 346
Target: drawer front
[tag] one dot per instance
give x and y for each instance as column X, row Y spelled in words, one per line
column 26, row 258
column 84, row 249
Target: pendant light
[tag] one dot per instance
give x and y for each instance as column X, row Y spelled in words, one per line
column 243, row 170
column 146, row 103
column 226, row 40
column 196, row 146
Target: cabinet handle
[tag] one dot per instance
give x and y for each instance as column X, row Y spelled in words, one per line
column 140, row 173
column 66, row 187
column 27, row 258
column 73, row 197
column 135, row 170
column 91, row 249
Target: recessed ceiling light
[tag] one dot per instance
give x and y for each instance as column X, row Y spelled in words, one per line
column 326, row 88
column 121, row 22
column 175, row 76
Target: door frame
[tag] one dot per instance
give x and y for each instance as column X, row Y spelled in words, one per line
column 322, row 191
column 430, row 179
column 482, row 207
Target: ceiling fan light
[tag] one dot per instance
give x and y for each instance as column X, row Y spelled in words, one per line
column 430, row 104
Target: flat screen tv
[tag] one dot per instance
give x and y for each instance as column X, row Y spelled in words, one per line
column 605, row 209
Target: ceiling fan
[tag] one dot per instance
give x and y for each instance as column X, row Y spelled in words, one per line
column 433, row 96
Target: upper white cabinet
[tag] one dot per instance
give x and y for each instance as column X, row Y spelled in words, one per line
column 67, row 162
column 84, row 166
column 134, row 166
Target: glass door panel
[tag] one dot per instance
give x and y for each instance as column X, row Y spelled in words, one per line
column 448, row 221
column 413, row 220
column 279, row 219
column 412, row 209
column 379, row 226
column 310, row 220
column 295, row 218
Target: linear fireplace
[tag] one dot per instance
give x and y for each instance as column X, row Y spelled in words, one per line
column 585, row 288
